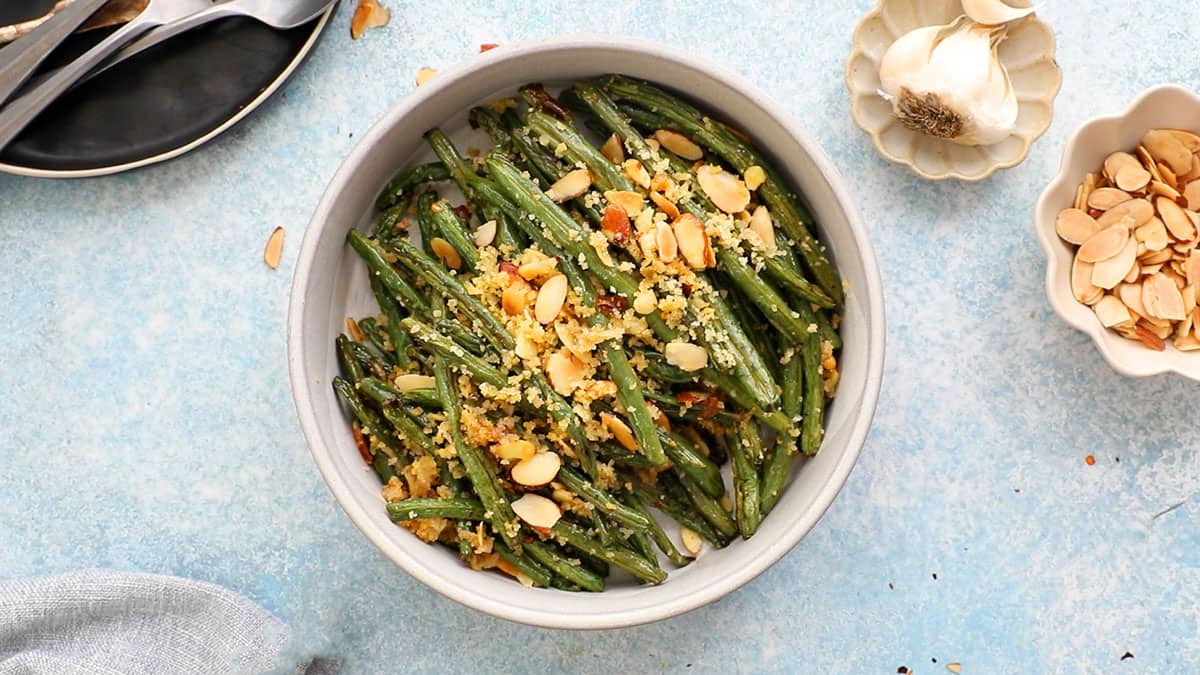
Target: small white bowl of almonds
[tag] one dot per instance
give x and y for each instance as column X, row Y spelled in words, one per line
column 1120, row 226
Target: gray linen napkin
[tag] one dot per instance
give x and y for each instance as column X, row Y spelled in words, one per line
column 103, row 622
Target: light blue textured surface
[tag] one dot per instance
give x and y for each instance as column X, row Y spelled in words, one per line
column 147, row 423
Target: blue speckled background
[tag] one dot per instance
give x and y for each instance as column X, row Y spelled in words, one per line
column 147, row 423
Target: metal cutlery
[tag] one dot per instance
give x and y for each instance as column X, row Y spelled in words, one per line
column 20, row 59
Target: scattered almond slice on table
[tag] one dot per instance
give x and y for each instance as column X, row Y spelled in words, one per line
column 368, row 14
column 1134, row 230
column 274, row 250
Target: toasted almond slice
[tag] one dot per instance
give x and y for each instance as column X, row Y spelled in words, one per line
column 636, row 173
column 1148, row 270
column 1117, row 161
column 1191, row 296
column 1081, row 281
column 1072, row 225
column 664, row 205
column 686, row 356
column 1148, row 338
column 1153, row 234
column 620, row 431
column 1156, row 257
column 1140, row 210
column 1162, row 299
column 540, row 512
column 1132, row 178
column 1104, row 244
column 1079, row 203
column 1177, row 221
column 762, row 225
column 1112, row 312
column 514, row 449
column 647, row 242
column 614, row 150
column 516, row 296
column 660, row 418
column 1189, row 140
column 1191, row 269
column 1187, row 343
column 645, row 302
column 486, row 234
column 632, row 202
column 665, row 242
column 550, row 298
column 691, row 541
column 1148, row 162
column 726, row 190
column 274, row 249
column 679, row 144
column 1131, row 296
column 754, row 176
column 1134, row 273
column 565, row 372
column 371, row 14
column 446, row 253
column 1192, row 194
column 1161, row 189
column 424, row 75
column 411, row 381
column 526, row 348
column 660, row 182
column 1108, row 273
column 1168, row 176
column 1165, row 147
column 1175, row 277
column 543, row 268
column 1106, row 198
column 537, row 470
column 692, row 240
column 615, row 223
column 573, row 184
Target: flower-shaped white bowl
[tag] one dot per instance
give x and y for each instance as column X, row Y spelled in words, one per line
column 1165, row 106
column 1027, row 53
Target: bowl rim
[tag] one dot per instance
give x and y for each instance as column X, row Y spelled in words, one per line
column 860, row 422
column 1151, row 363
column 1051, row 95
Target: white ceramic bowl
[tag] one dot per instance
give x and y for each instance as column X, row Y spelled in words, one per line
column 1165, row 106
column 1027, row 53
column 330, row 284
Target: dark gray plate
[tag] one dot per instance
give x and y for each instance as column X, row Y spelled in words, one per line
column 159, row 104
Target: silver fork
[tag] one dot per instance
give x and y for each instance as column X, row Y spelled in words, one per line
column 19, row 113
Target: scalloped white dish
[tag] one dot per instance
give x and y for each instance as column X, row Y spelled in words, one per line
column 1027, row 53
column 1165, row 106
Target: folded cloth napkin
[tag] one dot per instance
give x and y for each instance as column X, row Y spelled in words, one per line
column 102, row 622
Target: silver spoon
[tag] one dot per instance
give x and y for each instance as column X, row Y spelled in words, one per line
column 21, row 58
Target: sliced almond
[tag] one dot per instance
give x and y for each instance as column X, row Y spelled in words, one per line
column 691, row 541
column 647, row 242
column 526, row 347
column 636, row 173
column 424, row 75
column 573, row 184
column 410, row 382
column 1165, row 147
column 1148, row 162
column 1148, row 338
column 1134, row 273
column 762, row 225
column 1176, row 219
column 645, row 302
column 615, row 223
column 1191, row 269
column 514, row 449
column 692, row 240
column 516, row 296
column 665, row 242
column 1114, row 163
column 486, row 234
column 1162, row 299
column 536, row 510
column 550, row 298
column 679, row 144
column 1153, row 234
column 370, row 14
column 726, row 190
column 1156, row 257
column 1161, row 189
column 274, row 249
column 537, row 470
column 446, row 253
column 1081, row 281
column 1108, row 273
column 632, row 202
column 1167, row 176
column 1132, row 178
column 1111, row 312
column 754, row 176
column 1187, row 343
column 660, row 182
column 664, row 205
column 1106, row 198
column 1140, row 210
column 614, row 150
column 565, row 372
column 1104, row 244
column 620, row 431
column 543, row 268
column 686, row 356
column 1131, row 297
column 1072, row 225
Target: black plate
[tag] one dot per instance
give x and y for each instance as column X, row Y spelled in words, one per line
column 158, row 104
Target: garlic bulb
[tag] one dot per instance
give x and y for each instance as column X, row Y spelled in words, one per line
column 948, row 82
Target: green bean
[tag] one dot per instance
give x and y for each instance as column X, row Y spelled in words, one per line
column 709, row 508
column 627, row 560
column 563, row 567
column 746, row 495
column 459, row 508
column 688, row 460
column 604, row 502
column 385, row 440
column 658, row 535
column 398, row 188
column 378, row 265
column 534, row 571
column 479, row 369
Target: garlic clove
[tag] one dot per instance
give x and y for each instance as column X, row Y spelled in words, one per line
column 994, row 12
